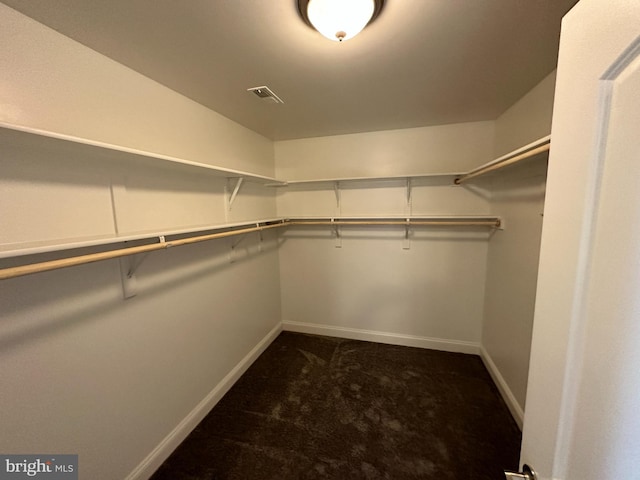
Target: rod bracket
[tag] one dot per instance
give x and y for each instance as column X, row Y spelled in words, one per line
column 406, row 243
column 337, row 233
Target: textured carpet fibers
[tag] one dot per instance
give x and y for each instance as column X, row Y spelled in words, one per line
column 316, row 407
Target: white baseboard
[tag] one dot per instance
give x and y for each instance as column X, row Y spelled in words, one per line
column 383, row 337
column 505, row 391
column 159, row 454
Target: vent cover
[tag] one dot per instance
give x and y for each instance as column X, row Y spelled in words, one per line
column 266, row 94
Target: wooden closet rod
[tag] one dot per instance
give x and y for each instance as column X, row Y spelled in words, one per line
column 502, row 163
column 435, row 222
column 22, row 270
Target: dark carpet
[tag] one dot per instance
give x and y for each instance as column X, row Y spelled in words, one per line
column 316, row 407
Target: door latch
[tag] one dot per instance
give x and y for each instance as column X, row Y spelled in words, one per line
column 526, row 474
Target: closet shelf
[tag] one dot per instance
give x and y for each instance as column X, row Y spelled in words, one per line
column 15, row 135
column 286, row 183
column 533, row 150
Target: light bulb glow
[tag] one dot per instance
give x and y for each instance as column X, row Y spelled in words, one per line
column 340, row 19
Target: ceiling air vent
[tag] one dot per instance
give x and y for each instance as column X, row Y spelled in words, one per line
column 266, row 94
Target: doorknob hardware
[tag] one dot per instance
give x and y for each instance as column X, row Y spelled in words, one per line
column 526, row 474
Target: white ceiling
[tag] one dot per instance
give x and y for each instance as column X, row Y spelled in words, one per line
column 422, row 62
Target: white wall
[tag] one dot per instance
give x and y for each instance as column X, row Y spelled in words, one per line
column 421, row 150
column 526, row 120
column 512, row 262
column 82, row 370
column 85, row 372
column 429, row 295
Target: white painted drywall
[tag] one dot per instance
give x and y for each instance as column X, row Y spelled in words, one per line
column 512, row 263
column 82, row 370
column 393, row 152
column 526, row 120
column 434, row 290
column 85, row 372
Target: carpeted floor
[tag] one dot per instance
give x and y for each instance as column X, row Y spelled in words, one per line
column 316, row 407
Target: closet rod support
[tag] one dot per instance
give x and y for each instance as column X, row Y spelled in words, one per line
column 406, row 244
column 337, row 233
column 260, row 239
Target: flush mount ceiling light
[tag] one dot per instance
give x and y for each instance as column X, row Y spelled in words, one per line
column 339, row 20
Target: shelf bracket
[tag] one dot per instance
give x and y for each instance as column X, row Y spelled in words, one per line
column 337, row 234
column 236, row 189
column 406, row 243
column 260, row 239
column 409, row 191
column 336, row 190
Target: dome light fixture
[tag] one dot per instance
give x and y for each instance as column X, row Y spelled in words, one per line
column 339, row 20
